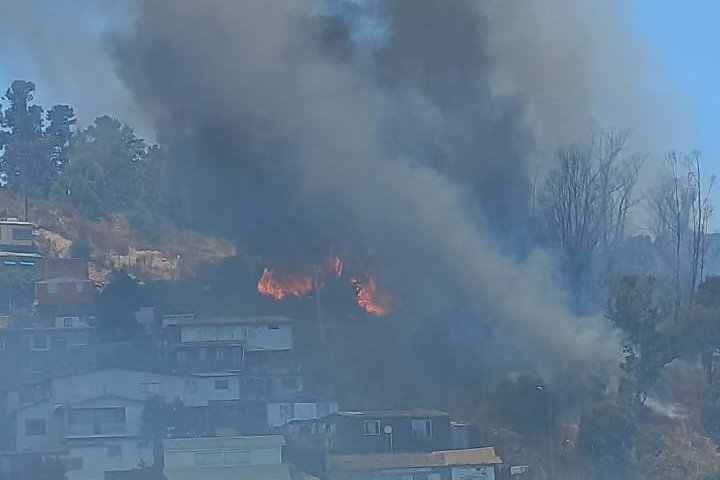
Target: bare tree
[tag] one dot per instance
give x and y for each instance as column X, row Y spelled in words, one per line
column 680, row 210
column 586, row 199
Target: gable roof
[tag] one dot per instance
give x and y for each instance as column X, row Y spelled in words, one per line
column 376, row 414
column 444, row 458
column 188, row 320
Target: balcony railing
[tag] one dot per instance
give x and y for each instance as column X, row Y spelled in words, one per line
column 96, row 429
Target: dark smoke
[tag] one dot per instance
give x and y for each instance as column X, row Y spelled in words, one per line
column 295, row 135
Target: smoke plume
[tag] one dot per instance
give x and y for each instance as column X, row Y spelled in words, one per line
column 299, row 134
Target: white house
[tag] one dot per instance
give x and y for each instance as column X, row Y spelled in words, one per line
column 221, row 458
column 90, row 437
column 192, row 390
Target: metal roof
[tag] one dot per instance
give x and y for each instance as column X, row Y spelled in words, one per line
column 444, row 458
column 186, row 320
column 391, row 414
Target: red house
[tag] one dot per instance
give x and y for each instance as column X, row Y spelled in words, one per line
column 64, row 291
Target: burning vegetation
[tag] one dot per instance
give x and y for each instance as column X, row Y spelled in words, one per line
column 280, row 285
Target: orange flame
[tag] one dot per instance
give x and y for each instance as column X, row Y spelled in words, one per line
column 280, row 285
column 370, row 299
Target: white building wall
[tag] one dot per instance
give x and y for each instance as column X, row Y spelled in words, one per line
column 97, row 458
column 192, row 391
column 54, row 427
column 269, row 337
column 473, row 473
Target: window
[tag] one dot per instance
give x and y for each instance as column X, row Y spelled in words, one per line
column 79, row 287
column 73, row 463
column 52, row 287
column 287, row 411
column 422, row 428
column 35, row 426
column 273, row 327
column 39, row 342
column 22, row 234
column 9, row 262
column 114, row 450
column 237, row 457
column 27, row 263
column 371, row 427
column 77, row 339
column 205, row 459
column 149, row 388
column 222, row 385
column 68, row 322
column 290, row 383
column 191, row 386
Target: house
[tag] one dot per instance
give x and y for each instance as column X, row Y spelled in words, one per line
column 226, row 458
column 32, row 355
column 298, row 408
column 368, row 432
column 17, row 236
column 91, row 436
column 467, row 464
column 64, row 295
column 216, row 344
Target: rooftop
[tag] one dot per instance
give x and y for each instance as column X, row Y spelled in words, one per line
column 64, row 280
column 208, row 443
column 187, row 320
column 445, row 458
column 392, row 414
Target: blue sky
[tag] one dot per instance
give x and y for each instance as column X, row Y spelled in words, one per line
column 684, row 36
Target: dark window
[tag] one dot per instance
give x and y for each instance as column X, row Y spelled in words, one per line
column 422, row 428
column 371, row 427
column 35, row 426
column 274, row 327
column 222, row 385
column 22, row 234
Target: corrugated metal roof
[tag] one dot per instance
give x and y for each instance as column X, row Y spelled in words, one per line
column 258, row 472
column 212, row 443
column 392, row 414
column 444, row 458
column 183, row 320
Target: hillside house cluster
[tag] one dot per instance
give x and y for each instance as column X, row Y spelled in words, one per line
column 233, row 382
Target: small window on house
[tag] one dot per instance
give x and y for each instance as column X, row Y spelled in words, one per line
column 79, row 287
column 52, row 287
column 39, row 342
column 290, row 383
column 371, row 427
column 422, row 428
column 35, row 426
column 73, row 463
column 191, row 386
column 9, row 262
column 222, row 385
column 27, row 263
column 67, row 322
column 273, row 327
column 114, row 450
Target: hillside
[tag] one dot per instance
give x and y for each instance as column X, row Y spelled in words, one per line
column 158, row 254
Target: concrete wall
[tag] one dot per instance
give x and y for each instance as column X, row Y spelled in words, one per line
column 111, row 455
